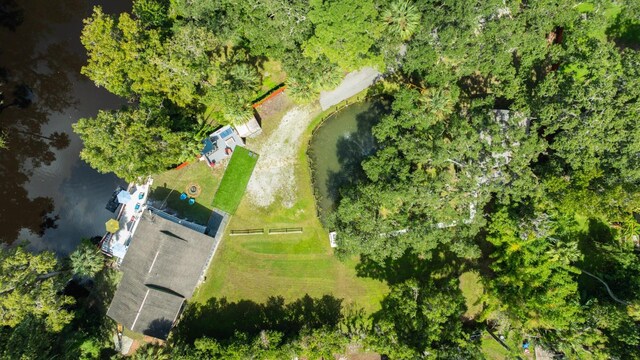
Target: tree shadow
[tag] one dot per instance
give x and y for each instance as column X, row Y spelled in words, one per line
column 411, row 266
column 196, row 213
column 606, row 257
column 625, row 31
column 221, row 319
column 474, row 85
column 159, row 328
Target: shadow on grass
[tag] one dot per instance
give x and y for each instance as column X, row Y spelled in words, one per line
column 197, row 212
column 221, row 319
column 410, row 266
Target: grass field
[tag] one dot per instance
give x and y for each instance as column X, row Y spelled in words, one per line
column 492, row 349
column 472, row 290
column 169, row 185
column 235, row 180
column 257, row 267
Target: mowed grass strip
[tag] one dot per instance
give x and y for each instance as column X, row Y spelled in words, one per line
column 235, row 180
column 255, row 268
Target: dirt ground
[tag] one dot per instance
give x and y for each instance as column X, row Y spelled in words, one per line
column 273, row 176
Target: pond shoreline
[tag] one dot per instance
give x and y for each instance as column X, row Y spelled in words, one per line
column 355, row 131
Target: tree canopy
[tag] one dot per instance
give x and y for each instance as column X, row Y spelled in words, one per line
column 29, row 288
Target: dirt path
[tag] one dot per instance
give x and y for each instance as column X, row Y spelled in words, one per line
column 273, row 178
column 352, row 84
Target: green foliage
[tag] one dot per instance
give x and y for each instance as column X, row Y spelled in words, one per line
column 108, row 61
column 29, row 288
column 86, row 260
column 131, row 143
column 152, row 13
column 314, row 344
column 275, row 27
column 419, row 318
column 29, row 339
column 307, row 78
column 345, row 32
column 535, row 282
column 134, row 62
column 150, row 352
column 451, row 173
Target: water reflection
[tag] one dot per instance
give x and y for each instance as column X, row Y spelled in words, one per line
column 42, row 94
column 338, row 148
column 11, row 15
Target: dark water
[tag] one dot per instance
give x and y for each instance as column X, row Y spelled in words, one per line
column 338, row 148
column 48, row 196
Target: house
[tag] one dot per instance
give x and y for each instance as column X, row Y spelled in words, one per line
column 219, row 145
column 164, row 263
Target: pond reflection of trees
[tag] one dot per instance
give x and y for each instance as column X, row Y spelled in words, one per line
column 352, row 150
column 35, row 81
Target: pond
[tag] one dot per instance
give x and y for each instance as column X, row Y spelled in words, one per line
column 49, row 196
column 338, row 148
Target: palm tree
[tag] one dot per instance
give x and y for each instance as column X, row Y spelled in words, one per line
column 244, row 76
column 402, row 19
column 87, row 260
column 438, row 102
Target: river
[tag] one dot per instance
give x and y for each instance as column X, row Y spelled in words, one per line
column 49, row 196
column 338, row 148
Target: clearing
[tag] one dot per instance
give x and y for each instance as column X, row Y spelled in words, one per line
column 280, row 195
column 472, row 291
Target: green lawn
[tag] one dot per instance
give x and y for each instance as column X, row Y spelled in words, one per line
column 609, row 9
column 235, row 180
column 257, row 267
column 272, row 75
column 492, row 349
column 168, row 186
column 472, row 290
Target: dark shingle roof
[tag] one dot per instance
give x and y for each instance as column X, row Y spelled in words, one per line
column 161, row 269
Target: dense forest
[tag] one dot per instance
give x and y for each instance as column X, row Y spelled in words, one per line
column 512, row 150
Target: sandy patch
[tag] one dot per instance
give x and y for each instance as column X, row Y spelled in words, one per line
column 273, row 176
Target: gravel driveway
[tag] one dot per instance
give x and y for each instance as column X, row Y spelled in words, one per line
column 352, row 84
column 273, row 176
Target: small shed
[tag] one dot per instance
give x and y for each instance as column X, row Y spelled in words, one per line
column 249, row 129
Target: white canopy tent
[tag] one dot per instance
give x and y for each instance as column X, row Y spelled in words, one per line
column 124, row 197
